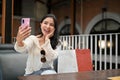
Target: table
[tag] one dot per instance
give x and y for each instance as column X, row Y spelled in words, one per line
column 86, row 75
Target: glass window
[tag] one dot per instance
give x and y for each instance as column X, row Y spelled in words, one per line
column 66, row 30
column 106, row 26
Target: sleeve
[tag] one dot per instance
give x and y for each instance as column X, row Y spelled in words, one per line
column 50, row 53
column 28, row 43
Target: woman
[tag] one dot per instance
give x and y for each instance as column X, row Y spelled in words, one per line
column 40, row 48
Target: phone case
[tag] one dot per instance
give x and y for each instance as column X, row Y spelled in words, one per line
column 25, row 21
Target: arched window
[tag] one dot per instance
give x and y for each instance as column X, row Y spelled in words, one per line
column 65, row 30
column 106, row 26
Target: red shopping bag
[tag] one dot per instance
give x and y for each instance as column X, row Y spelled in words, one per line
column 84, row 60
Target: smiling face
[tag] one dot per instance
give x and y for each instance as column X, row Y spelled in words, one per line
column 47, row 26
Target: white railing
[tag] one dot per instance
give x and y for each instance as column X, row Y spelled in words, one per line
column 105, row 48
column 13, row 40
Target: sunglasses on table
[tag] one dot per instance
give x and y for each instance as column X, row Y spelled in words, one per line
column 43, row 58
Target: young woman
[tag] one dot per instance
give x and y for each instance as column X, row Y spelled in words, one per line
column 40, row 48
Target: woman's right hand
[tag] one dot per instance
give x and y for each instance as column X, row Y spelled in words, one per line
column 23, row 32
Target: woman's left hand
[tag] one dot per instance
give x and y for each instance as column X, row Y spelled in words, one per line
column 48, row 36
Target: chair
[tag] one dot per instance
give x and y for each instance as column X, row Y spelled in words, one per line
column 12, row 65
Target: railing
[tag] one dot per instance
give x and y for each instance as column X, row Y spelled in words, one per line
column 13, row 40
column 105, row 48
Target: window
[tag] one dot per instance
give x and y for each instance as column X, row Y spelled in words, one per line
column 17, row 7
column 106, row 26
column 66, row 30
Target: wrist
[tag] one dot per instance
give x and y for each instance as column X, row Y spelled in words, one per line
column 20, row 43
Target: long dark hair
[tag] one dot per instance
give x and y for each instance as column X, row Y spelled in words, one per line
column 54, row 40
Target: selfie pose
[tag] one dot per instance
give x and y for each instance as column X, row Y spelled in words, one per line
column 40, row 48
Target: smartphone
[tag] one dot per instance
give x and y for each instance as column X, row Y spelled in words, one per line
column 25, row 21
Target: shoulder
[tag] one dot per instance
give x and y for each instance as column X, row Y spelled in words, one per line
column 32, row 37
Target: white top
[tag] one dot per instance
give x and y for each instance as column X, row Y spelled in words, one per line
column 33, row 48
